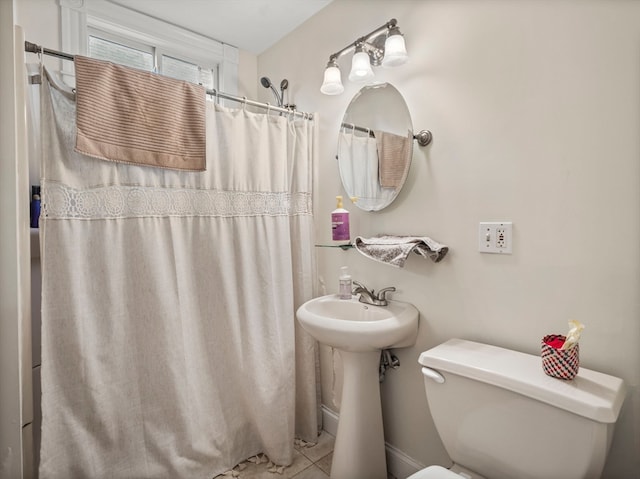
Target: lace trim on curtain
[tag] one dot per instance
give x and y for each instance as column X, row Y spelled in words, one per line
column 110, row 202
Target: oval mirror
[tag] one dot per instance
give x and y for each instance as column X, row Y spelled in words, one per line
column 375, row 146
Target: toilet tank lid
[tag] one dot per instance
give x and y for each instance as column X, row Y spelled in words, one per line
column 591, row 394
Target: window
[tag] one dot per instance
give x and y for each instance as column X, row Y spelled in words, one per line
column 176, row 68
column 105, row 46
column 108, row 31
column 116, row 52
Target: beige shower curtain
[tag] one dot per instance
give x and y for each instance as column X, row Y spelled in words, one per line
column 170, row 345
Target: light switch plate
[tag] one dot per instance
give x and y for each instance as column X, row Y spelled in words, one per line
column 495, row 237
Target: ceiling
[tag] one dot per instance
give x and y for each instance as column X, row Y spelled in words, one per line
column 251, row 25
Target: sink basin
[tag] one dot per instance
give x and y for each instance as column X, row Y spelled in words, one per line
column 359, row 331
column 350, row 325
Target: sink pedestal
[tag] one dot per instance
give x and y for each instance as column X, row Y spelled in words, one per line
column 359, row 332
column 359, row 451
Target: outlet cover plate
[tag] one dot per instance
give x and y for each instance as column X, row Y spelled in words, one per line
column 495, row 237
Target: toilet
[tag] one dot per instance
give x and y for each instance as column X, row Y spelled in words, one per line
column 501, row 417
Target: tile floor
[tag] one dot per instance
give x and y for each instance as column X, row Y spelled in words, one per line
column 308, row 463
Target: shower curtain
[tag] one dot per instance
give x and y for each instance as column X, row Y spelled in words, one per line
column 170, row 347
column 359, row 168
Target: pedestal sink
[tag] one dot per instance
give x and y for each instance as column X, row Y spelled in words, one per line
column 359, row 332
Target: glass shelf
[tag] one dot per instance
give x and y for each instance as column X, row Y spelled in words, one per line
column 343, row 247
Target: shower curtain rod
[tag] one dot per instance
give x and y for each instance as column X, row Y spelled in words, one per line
column 34, row 48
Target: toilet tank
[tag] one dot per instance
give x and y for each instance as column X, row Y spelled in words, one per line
column 500, row 416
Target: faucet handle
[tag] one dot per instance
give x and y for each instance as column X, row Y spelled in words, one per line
column 359, row 287
column 382, row 294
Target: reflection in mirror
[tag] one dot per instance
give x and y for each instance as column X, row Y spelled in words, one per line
column 375, row 146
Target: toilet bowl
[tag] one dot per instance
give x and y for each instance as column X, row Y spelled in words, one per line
column 495, row 409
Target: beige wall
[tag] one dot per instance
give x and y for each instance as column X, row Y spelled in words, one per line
column 534, row 107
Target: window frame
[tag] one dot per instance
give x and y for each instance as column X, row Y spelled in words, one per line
column 80, row 17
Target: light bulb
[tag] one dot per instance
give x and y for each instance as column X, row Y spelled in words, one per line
column 360, row 68
column 332, row 84
column 395, row 51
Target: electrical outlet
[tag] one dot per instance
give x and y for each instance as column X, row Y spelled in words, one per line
column 495, row 237
column 501, row 238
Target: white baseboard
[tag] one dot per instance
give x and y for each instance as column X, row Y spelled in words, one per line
column 399, row 464
column 329, row 420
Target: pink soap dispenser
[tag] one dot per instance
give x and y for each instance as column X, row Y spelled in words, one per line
column 340, row 222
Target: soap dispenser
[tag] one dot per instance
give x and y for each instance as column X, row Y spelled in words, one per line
column 340, row 222
column 345, row 283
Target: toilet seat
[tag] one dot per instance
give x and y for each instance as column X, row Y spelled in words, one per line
column 435, row 472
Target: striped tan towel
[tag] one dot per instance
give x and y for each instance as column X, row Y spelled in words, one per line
column 394, row 157
column 133, row 116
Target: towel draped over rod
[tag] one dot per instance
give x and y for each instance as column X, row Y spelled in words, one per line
column 34, row 48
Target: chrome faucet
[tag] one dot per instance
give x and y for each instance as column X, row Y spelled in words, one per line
column 369, row 296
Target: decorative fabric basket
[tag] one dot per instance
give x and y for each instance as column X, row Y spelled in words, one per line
column 559, row 363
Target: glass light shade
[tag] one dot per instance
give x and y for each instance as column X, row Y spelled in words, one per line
column 332, row 84
column 395, row 51
column 360, row 68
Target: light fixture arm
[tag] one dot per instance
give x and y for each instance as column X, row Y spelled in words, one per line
column 368, row 42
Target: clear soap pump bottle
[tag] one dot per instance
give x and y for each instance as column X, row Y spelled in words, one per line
column 345, row 283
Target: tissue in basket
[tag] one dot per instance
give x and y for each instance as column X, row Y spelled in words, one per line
column 559, row 363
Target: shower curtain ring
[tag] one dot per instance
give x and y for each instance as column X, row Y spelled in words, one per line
column 268, row 108
column 244, row 103
column 41, row 63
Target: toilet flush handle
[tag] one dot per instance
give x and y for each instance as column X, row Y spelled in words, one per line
column 433, row 374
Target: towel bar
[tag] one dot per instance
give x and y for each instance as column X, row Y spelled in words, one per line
column 423, row 137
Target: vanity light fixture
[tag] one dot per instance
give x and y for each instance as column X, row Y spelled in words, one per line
column 384, row 46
